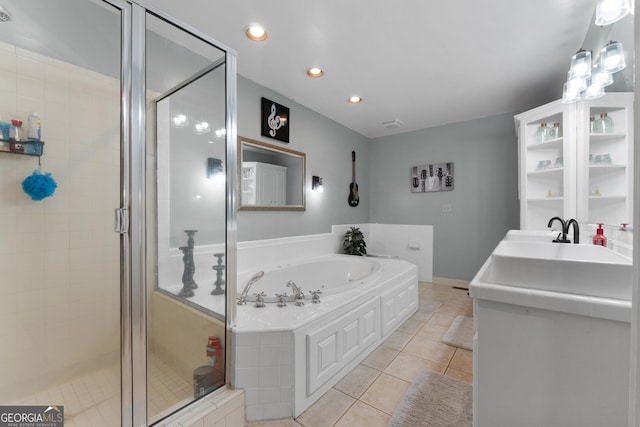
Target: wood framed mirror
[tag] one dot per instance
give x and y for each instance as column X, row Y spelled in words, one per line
column 270, row 177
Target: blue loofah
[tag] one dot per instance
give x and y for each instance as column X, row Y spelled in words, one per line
column 38, row 185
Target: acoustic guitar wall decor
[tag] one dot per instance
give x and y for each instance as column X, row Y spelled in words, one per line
column 354, row 199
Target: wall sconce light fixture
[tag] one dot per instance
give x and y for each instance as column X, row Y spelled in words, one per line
column 316, row 184
column 214, row 168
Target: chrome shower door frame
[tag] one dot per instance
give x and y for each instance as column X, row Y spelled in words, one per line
column 133, row 201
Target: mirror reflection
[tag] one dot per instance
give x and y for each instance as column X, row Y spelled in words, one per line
column 271, row 177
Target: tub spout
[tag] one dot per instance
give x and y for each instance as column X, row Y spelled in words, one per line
column 298, row 295
column 242, row 300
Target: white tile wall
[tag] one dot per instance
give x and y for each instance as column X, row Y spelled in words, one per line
column 263, row 367
column 223, row 408
column 59, row 293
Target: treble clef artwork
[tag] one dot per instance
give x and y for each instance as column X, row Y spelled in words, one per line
column 275, row 120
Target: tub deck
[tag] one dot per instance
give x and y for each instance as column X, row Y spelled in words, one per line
column 287, row 358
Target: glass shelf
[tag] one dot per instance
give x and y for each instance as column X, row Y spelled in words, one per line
column 545, row 199
column 615, row 198
column 604, row 137
column 25, row 148
column 546, row 145
column 546, row 172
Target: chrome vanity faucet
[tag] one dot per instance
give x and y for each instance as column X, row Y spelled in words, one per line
column 242, row 300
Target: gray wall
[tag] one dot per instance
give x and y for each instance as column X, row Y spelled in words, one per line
column 328, row 147
column 484, row 202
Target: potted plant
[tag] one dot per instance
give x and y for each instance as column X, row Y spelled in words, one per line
column 353, row 243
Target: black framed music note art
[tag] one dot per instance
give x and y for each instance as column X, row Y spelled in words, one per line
column 275, row 120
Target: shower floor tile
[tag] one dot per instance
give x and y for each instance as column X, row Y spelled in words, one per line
column 93, row 399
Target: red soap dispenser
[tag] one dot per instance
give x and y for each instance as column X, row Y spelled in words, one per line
column 600, row 238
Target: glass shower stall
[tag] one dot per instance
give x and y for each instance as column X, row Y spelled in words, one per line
column 113, row 303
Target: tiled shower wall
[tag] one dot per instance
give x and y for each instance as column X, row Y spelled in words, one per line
column 59, row 257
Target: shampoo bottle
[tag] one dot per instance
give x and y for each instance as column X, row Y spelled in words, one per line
column 600, row 238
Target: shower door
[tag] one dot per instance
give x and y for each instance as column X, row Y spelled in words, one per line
column 92, row 322
column 60, row 259
column 186, row 114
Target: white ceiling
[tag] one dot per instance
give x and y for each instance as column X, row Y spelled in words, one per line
column 425, row 63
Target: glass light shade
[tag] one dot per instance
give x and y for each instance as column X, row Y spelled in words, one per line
column 594, row 91
column 576, row 83
column 569, row 94
column 580, row 65
column 612, row 57
column 601, row 77
column 610, row 11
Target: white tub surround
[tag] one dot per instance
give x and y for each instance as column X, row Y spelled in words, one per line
column 549, row 356
column 285, row 358
column 413, row 243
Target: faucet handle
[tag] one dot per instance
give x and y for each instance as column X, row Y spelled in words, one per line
column 299, row 298
column 282, row 300
column 259, row 300
column 315, row 297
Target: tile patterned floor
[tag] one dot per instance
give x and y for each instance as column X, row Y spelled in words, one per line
column 370, row 393
column 367, row 396
column 93, row 399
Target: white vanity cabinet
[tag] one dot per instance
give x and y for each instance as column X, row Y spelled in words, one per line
column 264, row 184
column 580, row 174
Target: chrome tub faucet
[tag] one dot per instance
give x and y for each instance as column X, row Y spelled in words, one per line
column 298, row 295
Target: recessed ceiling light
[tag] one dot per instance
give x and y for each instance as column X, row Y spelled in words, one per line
column 355, row 99
column 315, row 72
column 256, row 33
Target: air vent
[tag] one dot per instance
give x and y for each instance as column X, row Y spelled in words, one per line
column 5, row 15
column 393, row 124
